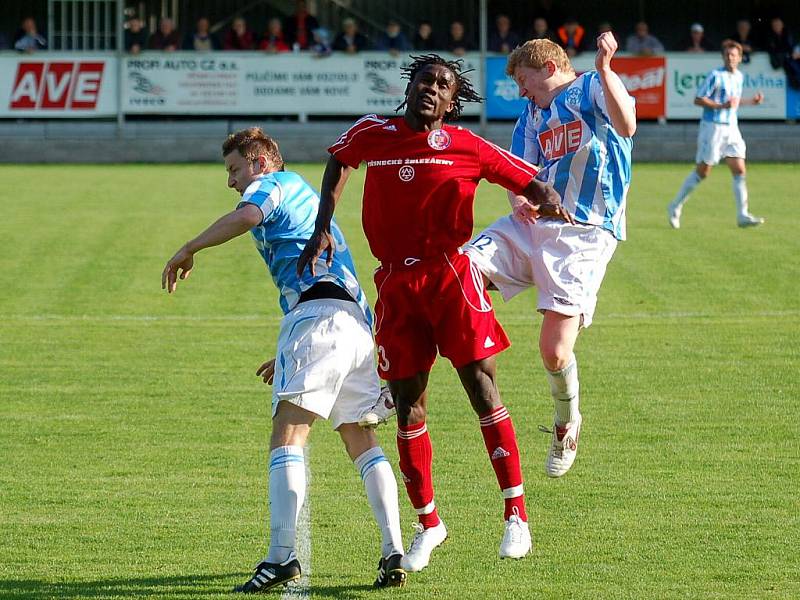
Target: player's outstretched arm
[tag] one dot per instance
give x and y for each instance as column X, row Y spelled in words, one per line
column 543, row 201
column 227, row 227
column 333, row 181
column 620, row 108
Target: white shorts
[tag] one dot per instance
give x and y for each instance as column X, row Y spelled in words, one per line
column 565, row 262
column 325, row 361
column 716, row 141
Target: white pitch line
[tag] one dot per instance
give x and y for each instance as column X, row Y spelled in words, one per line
column 518, row 318
column 302, row 589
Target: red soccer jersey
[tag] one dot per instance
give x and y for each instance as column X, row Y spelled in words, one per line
column 420, row 186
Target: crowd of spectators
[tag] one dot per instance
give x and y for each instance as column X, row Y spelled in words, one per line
column 301, row 31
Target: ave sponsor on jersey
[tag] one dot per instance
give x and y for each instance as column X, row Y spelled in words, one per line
column 561, row 140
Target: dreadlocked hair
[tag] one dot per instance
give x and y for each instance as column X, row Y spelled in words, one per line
column 464, row 90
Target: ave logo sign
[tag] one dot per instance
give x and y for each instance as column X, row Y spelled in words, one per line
column 67, row 85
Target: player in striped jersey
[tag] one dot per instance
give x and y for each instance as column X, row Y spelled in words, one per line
column 719, row 136
column 578, row 129
column 325, row 365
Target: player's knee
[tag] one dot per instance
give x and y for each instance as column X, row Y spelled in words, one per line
column 288, row 436
column 409, row 413
column 357, row 440
column 703, row 171
column 479, row 381
column 555, row 356
column 484, row 396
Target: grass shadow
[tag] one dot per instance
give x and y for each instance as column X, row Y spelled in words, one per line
column 184, row 586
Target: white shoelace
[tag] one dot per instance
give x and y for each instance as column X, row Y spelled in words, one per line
column 418, row 531
column 515, row 531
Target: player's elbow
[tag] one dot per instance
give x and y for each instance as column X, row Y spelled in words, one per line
column 627, row 129
column 698, row 102
column 625, row 124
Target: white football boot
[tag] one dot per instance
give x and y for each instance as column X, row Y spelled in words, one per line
column 516, row 538
column 380, row 412
column 422, row 544
column 563, row 448
column 674, row 215
column 750, row 221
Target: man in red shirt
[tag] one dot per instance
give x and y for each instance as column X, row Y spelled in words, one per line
column 418, row 212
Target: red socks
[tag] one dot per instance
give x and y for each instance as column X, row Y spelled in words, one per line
column 416, row 459
column 501, row 444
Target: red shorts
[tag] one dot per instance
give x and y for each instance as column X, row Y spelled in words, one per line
column 433, row 303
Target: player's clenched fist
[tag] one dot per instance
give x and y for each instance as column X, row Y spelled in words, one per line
column 606, row 47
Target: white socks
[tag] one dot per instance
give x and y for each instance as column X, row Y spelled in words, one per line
column 564, row 388
column 691, row 182
column 740, row 193
column 381, row 487
column 287, row 490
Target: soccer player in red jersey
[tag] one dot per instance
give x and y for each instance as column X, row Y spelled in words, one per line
column 417, row 213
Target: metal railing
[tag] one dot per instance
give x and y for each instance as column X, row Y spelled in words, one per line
column 82, row 24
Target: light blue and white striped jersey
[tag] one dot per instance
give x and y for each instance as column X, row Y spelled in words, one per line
column 290, row 207
column 720, row 86
column 579, row 153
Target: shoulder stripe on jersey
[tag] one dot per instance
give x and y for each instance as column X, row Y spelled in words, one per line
column 364, row 123
column 519, row 163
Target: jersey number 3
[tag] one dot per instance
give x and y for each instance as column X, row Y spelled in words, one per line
column 383, row 362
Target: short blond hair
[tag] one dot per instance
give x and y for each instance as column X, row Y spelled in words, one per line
column 535, row 53
column 252, row 143
column 732, row 44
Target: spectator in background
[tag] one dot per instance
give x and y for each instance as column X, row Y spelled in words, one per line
column 28, row 39
column 393, row 39
column 239, row 37
column 457, row 41
column 697, row 39
column 299, row 27
column 201, row 39
column 571, row 36
column 4, row 45
column 502, row 39
column 425, row 39
column 350, row 39
column 135, row 36
column 641, row 43
column 321, row 47
column 606, row 27
column 744, row 35
column 783, row 52
column 273, row 40
column 541, row 30
column 166, row 38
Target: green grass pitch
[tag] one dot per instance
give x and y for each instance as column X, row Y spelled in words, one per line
column 134, row 432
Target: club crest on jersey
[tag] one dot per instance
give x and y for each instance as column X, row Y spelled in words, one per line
column 438, row 139
column 406, row 173
column 574, row 96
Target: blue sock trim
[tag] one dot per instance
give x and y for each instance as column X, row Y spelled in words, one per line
column 285, row 456
column 371, row 464
column 369, row 459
